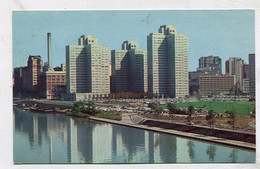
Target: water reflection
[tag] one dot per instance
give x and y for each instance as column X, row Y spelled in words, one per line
column 41, row 138
column 211, row 151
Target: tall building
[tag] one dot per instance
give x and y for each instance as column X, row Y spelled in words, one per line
column 211, row 64
column 129, row 68
column 216, row 84
column 167, row 53
column 31, row 73
column 234, row 66
column 252, row 75
column 18, row 80
column 246, row 79
column 87, row 68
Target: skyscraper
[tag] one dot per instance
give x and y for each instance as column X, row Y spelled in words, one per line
column 87, row 67
column 235, row 66
column 252, row 75
column 167, row 53
column 129, row 68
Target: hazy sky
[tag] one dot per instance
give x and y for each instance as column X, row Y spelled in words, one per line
column 223, row 33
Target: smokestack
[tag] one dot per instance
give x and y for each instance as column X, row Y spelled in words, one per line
column 49, row 50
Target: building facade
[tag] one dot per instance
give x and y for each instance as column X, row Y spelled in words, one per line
column 129, row 69
column 87, row 67
column 252, row 75
column 18, row 80
column 216, row 84
column 235, row 66
column 31, row 73
column 53, row 83
column 167, row 53
column 211, row 64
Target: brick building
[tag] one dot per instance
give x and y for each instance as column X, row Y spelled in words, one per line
column 216, row 84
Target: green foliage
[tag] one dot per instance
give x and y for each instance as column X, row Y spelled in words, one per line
column 172, row 108
column 158, row 110
column 211, row 117
column 81, row 107
column 152, row 106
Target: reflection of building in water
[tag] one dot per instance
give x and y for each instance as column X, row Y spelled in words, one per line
column 72, row 145
column 84, row 140
column 167, row 148
column 102, row 143
column 182, row 155
column 35, row 129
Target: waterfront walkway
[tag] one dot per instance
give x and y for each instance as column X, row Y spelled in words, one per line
column 131, row 120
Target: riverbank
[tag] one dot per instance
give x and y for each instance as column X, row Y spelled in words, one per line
column 126, row 121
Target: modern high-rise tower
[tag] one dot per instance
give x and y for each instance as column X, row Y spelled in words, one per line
column 87, row 67
column 129, row 68
column 167, row 53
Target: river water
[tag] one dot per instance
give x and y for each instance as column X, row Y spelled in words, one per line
column 46, row 138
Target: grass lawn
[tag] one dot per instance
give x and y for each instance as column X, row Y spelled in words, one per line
column 241, row 108
column 61, row 102
column 110, row 115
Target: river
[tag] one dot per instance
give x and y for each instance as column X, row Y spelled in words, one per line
column 56, row 138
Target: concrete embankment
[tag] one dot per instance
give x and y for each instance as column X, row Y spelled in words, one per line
column 226, row 134
column 188, row 134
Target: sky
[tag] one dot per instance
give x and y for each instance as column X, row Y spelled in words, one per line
column 223, row 33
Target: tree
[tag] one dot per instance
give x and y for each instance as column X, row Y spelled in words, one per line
column 190, row 113
column 152, row 106
column 172, row 108
column 211, row 117
column 158, row 110
column 232, row 116
column 81, row 107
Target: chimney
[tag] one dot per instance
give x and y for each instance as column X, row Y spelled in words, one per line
column 49, row 50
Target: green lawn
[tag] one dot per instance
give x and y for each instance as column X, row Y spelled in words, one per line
column 110, row 115
column 61, row 102
column 241, row 108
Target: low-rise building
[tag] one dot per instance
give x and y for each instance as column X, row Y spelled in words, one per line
column 216, row 84
column 53, row 83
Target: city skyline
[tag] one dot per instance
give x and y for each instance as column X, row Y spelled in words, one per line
column 206, row 26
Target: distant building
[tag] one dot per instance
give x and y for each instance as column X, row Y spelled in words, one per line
column 194, row 81
column 246, row 79
column 18, row 80
column 211, row 64
column 234, row 66
column 252, row 75
column 216, row 84
column 129, row 69
column 246, row 86
column 87, row 69
column 53, row 83
column 167, row 53
column 31, row 73
column 61, row 68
